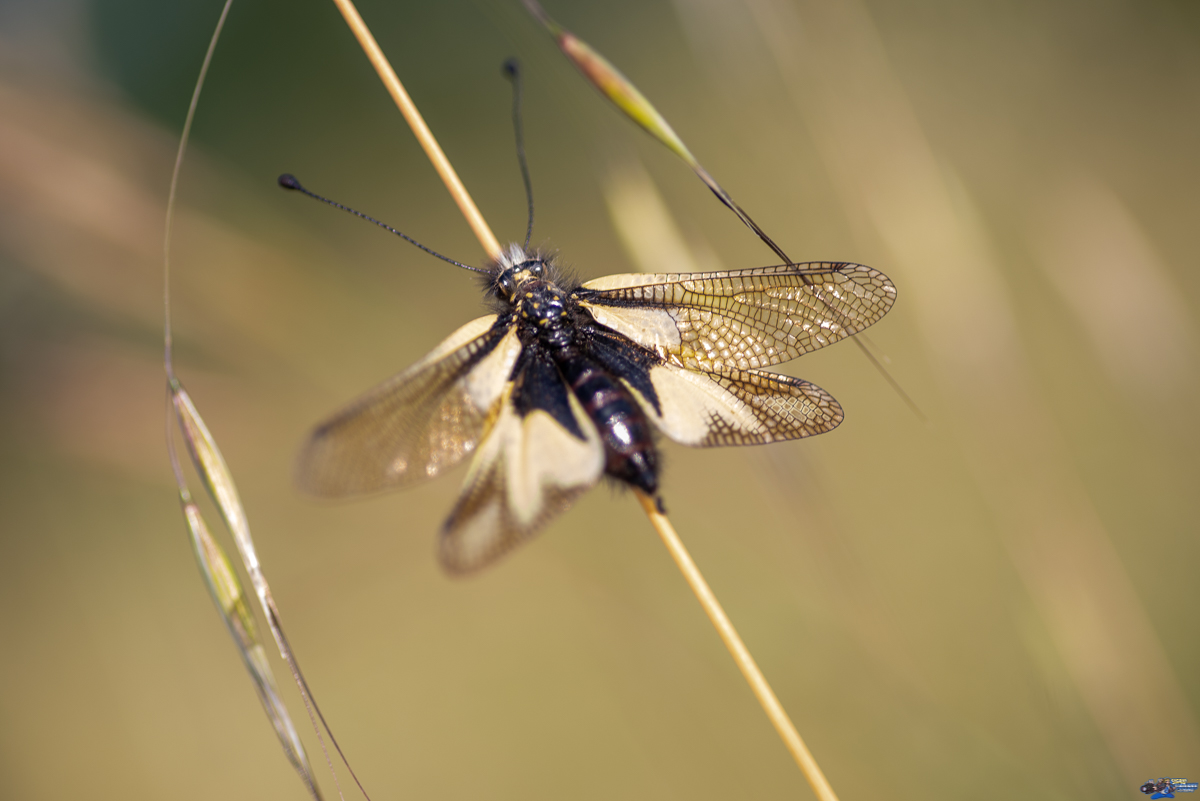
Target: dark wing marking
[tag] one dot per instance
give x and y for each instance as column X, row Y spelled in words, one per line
column 527, row 470
column 417, row 424
column 738, row 407
column 742, row 319
column 625, row 359
column 537, row 384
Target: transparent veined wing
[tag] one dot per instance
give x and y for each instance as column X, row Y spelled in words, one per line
column 737, row 407
column 528, row 469
column 417, row 424
column 741, row 319
column 727, row 406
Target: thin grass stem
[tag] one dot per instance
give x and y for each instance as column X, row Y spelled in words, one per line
column 737, row 649
column 223, row 583
column 417, row 123
column 168, row 339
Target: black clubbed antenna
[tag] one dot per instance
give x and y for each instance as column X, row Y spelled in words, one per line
column 289, row 181
column 512, row 69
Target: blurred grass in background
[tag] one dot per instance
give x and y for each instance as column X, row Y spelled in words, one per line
column 1001, row 604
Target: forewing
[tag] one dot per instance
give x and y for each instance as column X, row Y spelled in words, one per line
column 418, row 423
column 737, row 407
column 742, row 319
column 527, row 470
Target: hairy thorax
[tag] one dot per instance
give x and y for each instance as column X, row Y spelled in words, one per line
column 549, row 310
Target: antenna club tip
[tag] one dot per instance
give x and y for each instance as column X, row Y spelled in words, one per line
column 289, row 181
column 511, row 67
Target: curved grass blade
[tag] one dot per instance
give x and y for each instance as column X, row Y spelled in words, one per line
column 223, row 583
column 218, row 480
column 210, row 465
column 214, row 472
column 228, row 595
column 625, row 96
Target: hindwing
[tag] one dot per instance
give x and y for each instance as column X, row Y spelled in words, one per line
column 737, row 407
column 528, row 469
column 723, row 406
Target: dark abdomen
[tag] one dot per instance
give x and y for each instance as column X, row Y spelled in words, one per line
column 629, row 449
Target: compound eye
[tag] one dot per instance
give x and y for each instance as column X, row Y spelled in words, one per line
column 505, row 283
column 536, row 268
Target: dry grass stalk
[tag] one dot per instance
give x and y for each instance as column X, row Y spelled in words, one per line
column 737, row 649
column 633, row 103
column 417, row 123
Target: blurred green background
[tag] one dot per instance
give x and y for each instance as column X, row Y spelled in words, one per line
column 1002, row 603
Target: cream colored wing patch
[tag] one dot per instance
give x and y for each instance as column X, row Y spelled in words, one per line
column 738, row 407
column 526, row 471
column 417, row 424
column 742, row 319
